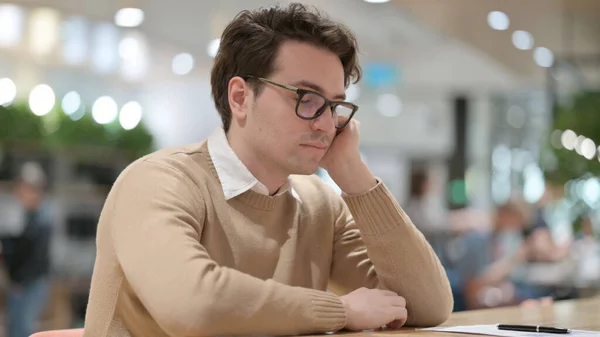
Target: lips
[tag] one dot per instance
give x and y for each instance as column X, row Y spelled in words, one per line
column 319, row 146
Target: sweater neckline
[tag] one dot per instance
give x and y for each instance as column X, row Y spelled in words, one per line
column 250, row 197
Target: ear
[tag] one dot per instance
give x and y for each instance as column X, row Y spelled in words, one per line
column 240, row 96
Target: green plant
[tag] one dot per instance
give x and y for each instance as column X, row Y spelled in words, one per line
column 18, row 123
column 56, row 131
column 581, row 115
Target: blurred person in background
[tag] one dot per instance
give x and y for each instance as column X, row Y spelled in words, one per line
column 586, row 253
column 26, row 253
column 538, row 233
column 236, row 235
column 496, row 276
column 453, row 234
column 426, row 208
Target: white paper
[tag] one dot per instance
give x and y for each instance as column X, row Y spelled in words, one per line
column 492, row 330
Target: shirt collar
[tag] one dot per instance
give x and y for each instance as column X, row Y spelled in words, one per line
column 234, row 175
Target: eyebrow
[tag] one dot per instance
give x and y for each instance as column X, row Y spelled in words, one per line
column 317, row 88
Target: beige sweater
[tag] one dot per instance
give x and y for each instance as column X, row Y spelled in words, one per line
column 174, row 258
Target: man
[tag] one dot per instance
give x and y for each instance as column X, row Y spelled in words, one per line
column 26, row 253
column 233, row 237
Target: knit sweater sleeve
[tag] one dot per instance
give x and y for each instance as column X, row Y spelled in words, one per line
column 377, row 246
column 157, row 216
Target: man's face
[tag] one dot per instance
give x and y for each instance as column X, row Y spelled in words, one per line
column 291, row 144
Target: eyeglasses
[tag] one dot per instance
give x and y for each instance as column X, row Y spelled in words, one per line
column 310, row 104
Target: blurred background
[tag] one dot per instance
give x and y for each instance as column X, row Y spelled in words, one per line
column 482, row 117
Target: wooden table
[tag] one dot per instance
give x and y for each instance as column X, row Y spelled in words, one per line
column 581, row 314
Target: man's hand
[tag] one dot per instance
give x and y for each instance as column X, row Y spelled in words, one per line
column 344, row 145
column 368, row 309
column 344, row 163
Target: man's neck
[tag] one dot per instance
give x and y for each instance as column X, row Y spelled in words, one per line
column 259, row 168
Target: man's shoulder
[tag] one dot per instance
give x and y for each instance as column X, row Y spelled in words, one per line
column 188, row 161
column 174, row 154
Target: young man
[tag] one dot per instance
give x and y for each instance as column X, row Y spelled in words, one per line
column 235, row 236
column 27, row 253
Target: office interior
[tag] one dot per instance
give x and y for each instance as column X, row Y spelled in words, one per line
column 482, row 117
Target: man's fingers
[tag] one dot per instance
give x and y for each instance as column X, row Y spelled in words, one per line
column 397, row 324
column 388, row 293
column 398, row 301
column 400, row 316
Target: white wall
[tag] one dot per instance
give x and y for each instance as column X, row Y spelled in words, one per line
column 179, row 113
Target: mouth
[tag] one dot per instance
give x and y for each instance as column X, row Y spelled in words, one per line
column 316, row 146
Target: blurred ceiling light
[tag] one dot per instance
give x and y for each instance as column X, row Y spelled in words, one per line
column 129, row 48
column 534, row 185
column 11, row 24
column 352, row 93
column 591, row 191
column 568, row 139
column 522, row 40
column 105, row 54
column 182, row 64
column 75, row 39
column 389, row 105
column 133, row 50
column 213, row 47
column 502, row 158
column 43, row 30
column 129, row 17
column 8, row 91
column 377, row 1
column 588, row 148
column 71, row 103
column 41, row 100
column 78, row 114
column 131, row 115
column 498, row 20
column 105, row 110
column 543, row 57
column 578, row 144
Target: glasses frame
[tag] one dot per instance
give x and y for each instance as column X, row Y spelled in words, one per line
column 301, row 92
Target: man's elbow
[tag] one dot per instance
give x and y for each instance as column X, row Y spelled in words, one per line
column 443, row 309
column 432, row 315
column 440, row 314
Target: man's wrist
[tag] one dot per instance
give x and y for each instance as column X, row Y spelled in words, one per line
column 345, row 305
column 353, row 177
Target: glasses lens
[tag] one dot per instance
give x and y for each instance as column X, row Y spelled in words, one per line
column 343, row 112
column 309, row 105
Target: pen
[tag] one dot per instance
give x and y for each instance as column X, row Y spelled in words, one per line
column 533, row 328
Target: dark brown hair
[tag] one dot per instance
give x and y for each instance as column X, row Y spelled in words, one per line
column 250, row 43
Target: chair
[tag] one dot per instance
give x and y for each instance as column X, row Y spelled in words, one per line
column 60, row 333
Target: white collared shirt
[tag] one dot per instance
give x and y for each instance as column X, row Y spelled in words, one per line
column 234, row 175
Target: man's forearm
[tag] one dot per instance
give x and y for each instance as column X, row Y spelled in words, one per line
column 192, row 295
column 243, row 305
column 404, row 261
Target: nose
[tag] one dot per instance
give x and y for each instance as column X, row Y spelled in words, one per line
column 325, row 122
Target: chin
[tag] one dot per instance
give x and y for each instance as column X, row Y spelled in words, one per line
column 306, row 169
